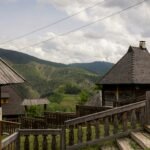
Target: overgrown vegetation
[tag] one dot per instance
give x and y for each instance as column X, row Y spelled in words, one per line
column 64, row 85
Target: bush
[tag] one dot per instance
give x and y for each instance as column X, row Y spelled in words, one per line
column 84, row 95
column 34, row 111
column 56, row 97
column 71, row 89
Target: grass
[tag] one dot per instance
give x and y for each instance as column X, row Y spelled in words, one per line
column 40, row 142
column 67, row 104
column 134, row 145
column 49, row 139
column 84, row 135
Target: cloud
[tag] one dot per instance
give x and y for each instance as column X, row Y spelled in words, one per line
column 7, row 1
column 107, row 40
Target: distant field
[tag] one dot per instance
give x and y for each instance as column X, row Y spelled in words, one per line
column 68, row 103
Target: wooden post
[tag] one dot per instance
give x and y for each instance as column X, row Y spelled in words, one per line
column 0, row 135
column 103, row 97
column 26, row 109
column 117, row 97
column 45, row 107
column 63, row 138
column 0, row 121
column 147, row 111
column 100, row 98
column 18, row 142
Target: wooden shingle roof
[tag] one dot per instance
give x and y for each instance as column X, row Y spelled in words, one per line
column 9, row 75
column 31, row 102
column 132, row 68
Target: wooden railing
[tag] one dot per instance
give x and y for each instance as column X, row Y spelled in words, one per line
column 57, row 119
column 129, row 101
column 82, row 110
column 84, row 131
column 34, row 139
column 96, row 128
column 33, row 123
column 9, row 127
column 11, row 142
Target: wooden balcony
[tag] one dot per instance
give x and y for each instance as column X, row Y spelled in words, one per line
column 83, row 131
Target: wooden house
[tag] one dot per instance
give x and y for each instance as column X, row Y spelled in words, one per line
column 8, row 76
column 129, row 78
column 11, row 103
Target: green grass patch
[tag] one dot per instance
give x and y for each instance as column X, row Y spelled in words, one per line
column 67, row 104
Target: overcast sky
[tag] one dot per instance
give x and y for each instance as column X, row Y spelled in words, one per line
column 106, row 40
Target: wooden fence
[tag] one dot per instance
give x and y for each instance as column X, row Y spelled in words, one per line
column 86, row 130
column 57, row 119
column 110, row 124
column 49, row 120
column 9, row 127
column 33, row 123
column 34, row 139
column 82, row 110
column 11, row 142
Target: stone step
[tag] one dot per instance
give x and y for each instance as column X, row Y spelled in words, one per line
column 124, row 144
column 147, row 128
column 141, row 139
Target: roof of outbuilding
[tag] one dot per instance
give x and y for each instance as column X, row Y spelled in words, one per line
column 132, row 68
column 8, row 75
column 31, row 102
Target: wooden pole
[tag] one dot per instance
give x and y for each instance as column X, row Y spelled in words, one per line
column 147, row 111
column 45, row 107
column 117, row 97
column 0, row 96
column 0, row 121
column 100, row 98
column 26, row 110
column 0, row 134
column 103, row 97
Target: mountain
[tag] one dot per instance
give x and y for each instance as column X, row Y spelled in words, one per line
column 99, row 67
column 45, row 77
column 16, row 57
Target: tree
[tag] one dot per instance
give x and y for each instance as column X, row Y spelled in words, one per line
column 84, row 95
column 71, row 88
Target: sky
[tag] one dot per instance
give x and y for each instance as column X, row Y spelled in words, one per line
column 108, row 39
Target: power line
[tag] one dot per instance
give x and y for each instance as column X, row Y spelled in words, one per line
column 84, row 26
column 53, row 23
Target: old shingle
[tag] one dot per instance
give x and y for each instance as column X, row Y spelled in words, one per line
column 132, row 68
column 9, row 75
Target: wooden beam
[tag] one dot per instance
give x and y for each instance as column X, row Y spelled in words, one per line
column 147, row 115
column 0, row 121
column 103, row 114
column 117, row 97
column 10, row 139
column 45, row 107
column 0, row 135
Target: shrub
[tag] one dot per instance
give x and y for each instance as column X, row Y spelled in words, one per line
column 56, row 97
column 84, row 95
column 71, row 89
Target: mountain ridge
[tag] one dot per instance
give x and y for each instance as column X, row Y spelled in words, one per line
column 15, row 57
column 49, row 79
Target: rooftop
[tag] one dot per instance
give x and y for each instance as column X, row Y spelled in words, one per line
column 31, row 102
column 8, row 75
column 132, row 68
